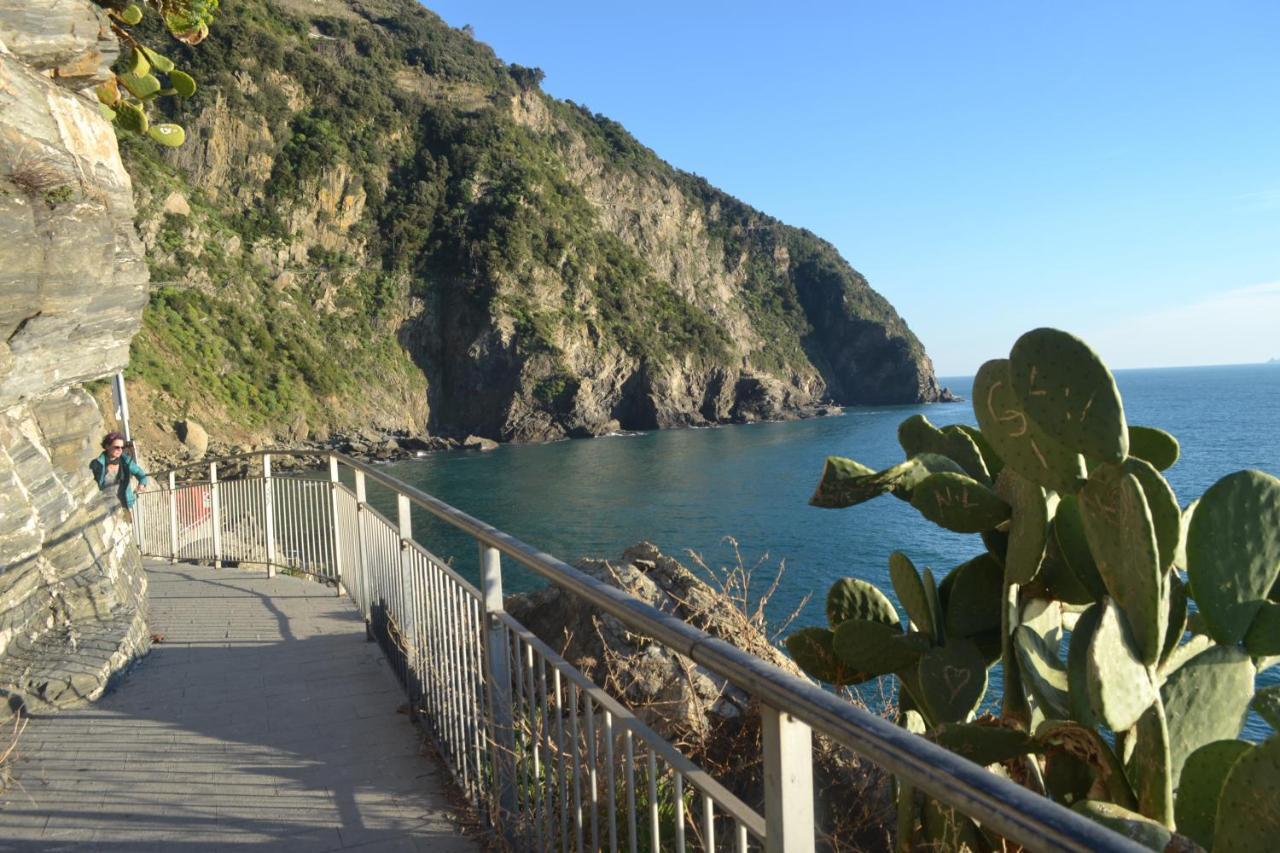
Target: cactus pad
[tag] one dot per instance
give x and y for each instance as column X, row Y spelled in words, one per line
column 1119, row 685
column 1019, row 441
column 1233, row 551
column 1206, row 699
column 972, row 593
column 845, row 482
column 811, row 649
column 984, row 744
column 1042, row 673
column 1028, row 528
column 1166, row 515
column 910, row 591
column 958, row 502
column 1131, row 825
column 1177, row 598
column 1262, row 640
column 1078, row 666
column 1266, row 704
column 1122, row 539
column 182, row 83
column 171, row 135
column 853, row 598
column 994, row 464
column 1069, row 393
column 1248, row 818
column 953, row 680
column 1153, row 445
column 1068, row 530
column 868, row 649
column 1200, row 788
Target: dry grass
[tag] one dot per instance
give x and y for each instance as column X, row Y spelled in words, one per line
column 10, row 753
column 37, row 176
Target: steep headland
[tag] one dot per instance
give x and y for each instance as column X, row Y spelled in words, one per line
column 377, row 223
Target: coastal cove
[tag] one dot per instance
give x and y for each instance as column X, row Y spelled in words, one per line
column 687, row 489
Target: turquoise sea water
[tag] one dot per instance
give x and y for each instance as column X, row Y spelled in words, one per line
column 688, row 489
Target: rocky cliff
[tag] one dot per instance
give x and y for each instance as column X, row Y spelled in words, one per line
column 72, row 287
column 375, row 222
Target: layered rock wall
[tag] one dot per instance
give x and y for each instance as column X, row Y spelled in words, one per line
column 72, row 287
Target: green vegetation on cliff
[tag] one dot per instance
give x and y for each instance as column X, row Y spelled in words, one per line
column 376, row 219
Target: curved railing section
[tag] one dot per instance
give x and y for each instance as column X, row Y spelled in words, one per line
column 555, row 761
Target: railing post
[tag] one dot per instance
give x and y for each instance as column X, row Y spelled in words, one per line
column 405, row 518
column 497, row 682
column 173, row 518
column 216, row 508
column 363, row 540
column 269, row 505
column 788, row 782
column 336, row 537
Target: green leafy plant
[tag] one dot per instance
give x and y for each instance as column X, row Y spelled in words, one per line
column 145, row 73
column 1166, row 613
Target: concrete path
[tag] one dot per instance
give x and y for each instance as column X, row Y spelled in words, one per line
column 263, row 720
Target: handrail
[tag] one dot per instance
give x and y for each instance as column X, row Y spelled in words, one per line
column 997, row 803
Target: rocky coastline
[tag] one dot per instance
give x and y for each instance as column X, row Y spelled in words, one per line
column 373, row 444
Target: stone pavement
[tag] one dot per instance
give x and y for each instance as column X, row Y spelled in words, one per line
column 262, row 720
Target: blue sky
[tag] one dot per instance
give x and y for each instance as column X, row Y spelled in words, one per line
column 1112, row 169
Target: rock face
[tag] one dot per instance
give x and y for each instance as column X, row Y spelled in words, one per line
column 376, row 222
column 72, row 287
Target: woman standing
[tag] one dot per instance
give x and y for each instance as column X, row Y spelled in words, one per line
column 114, row 470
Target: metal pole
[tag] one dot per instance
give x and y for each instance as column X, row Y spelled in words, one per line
column 498, row 687
column 268, row 499
column 788, row 782
column 333, row 509
column 215, row 504
column 404, row 511
column 363, row 539
column 173, row 518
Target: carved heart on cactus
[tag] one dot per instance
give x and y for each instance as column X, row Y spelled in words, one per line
column 953, row 679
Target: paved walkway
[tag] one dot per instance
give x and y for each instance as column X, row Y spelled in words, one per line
column 263, row 720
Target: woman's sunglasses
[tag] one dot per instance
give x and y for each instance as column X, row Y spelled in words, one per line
column 117, row 447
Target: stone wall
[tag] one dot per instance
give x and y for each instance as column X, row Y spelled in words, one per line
column 72, row 287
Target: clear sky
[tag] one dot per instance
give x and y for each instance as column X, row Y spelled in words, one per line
column 1112, row 169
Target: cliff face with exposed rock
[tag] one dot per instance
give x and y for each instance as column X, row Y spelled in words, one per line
column 376, row 224
column 72, row 287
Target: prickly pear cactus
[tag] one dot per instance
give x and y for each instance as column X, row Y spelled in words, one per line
column 1080, row 548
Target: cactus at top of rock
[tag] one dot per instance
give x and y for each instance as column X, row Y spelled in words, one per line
column 1069, row 393
column 1057, row 536
column 145, row 73
column 1233, row 551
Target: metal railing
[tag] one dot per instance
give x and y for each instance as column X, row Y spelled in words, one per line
column 556, row 762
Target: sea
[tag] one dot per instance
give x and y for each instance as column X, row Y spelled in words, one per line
column 741, row 492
